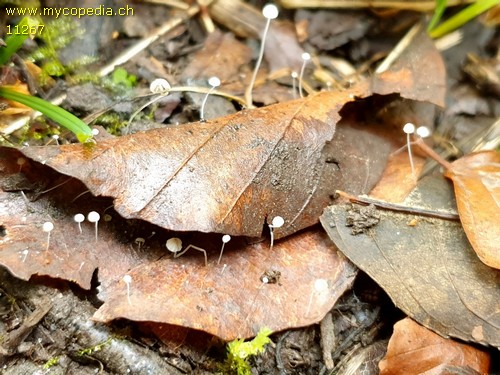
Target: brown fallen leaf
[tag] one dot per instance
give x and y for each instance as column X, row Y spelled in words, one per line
column 476, row 179
column 397, row 180
column 231, row 174
column 222, row 55
column 415, row 350
column 227, row 300
column 306, row 276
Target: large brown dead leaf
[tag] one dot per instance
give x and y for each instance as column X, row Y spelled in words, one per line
column 230, row 300
column 476, row 179
column 415, row 350
column 230, row 174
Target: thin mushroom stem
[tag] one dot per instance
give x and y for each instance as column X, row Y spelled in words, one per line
column 409, row 128
column 277, row 222
column 270, row 12
column 178, row 254
column 305, row 58
column 225, row 239
column 213, row 82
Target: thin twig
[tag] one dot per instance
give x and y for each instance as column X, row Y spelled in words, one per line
column 399, row 49
column 399, row 207
column 148, row 40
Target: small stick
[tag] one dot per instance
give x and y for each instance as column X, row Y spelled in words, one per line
column 398, row 207
column 148, row 40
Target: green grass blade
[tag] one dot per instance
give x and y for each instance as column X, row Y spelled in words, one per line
column 463, row 17
column 82, row 131
column 438, row 13
column 15, row 41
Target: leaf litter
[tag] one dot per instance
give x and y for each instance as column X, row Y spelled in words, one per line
column 293, row 137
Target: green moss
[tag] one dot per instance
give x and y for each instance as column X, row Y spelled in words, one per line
column 56, row 35
column 239, row 351
column 51, row 362
column 112, row 122
column 95, row 348
column 121, row 77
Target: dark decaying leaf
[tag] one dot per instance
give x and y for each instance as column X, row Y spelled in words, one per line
column 476, row 179
column 429, row 270
column 415, row 350
column 419, row 68
column 307, row 275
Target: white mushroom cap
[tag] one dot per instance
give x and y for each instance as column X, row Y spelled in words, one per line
column 270, row 11
column 174, row 244
column 47, row 226
column 159, row 85
column 278, row 222
column 79, row 218
column 93, row 217
column 409, row 128
column 214, row 81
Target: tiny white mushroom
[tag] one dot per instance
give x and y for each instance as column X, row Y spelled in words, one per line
column 213, row 82
column 48, row 227
column 423, row 131
column 95, row 131
column 409, row 128
column 159, row 85
column 21, row 161
column 174, row 245
column 277, row 222
column 270, row 11
column 79, row 218
column 225, row 239
column 139, row 241
column 128, row 280
column 25, row 252
column 94, row 217
column 305, row 58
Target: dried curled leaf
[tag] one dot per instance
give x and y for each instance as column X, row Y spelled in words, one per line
column 476, row 179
